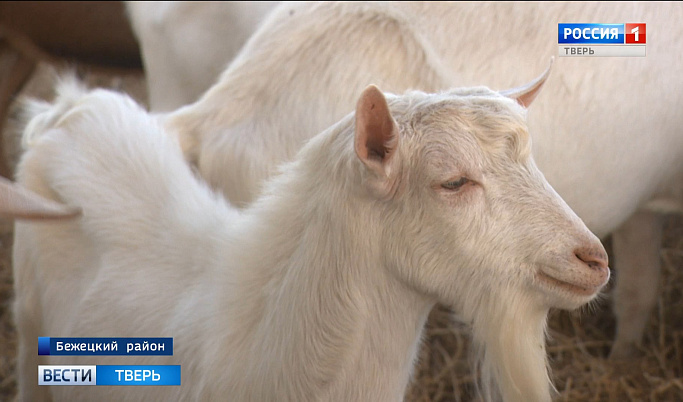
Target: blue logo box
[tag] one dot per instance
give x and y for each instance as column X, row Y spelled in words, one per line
column 590, row 34
column 138, row 375
column 109, row 375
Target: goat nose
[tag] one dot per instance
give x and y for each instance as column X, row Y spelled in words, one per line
column 595, row 258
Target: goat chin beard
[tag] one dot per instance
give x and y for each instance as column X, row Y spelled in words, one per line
column 509, row 347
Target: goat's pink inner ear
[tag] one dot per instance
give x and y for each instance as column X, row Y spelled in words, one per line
column 526, row 94
column 376, row 131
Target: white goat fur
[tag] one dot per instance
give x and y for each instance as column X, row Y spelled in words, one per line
column 607, row 132
column 169, row 36
column 318, row 291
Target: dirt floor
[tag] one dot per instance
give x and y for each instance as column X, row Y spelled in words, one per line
column 579, row 344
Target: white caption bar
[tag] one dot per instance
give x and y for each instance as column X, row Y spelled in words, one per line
column 601, row 50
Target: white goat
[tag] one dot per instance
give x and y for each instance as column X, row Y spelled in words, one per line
column 18, row 203
column 320, row 289
column 186, row 58
column 607, row 136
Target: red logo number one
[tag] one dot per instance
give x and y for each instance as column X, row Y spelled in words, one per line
column 635, row 33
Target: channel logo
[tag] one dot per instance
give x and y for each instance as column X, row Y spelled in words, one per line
column 590, row 34
column 620, row 40
column 108, row 375
column 635, row 33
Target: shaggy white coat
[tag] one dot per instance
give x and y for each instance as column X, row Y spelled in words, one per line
column 320, row 289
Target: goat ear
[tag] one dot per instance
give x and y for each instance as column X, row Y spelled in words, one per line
column 19, row 203
column 526, row 94
column 376, row 131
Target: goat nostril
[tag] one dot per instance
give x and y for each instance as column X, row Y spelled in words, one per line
column 595, row 259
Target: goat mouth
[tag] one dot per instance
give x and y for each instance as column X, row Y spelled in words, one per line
column 570, row 287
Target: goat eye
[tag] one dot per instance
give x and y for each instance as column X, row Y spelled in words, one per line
column 455, row 184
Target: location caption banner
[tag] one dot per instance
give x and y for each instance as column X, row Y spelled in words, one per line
column 105, row 346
